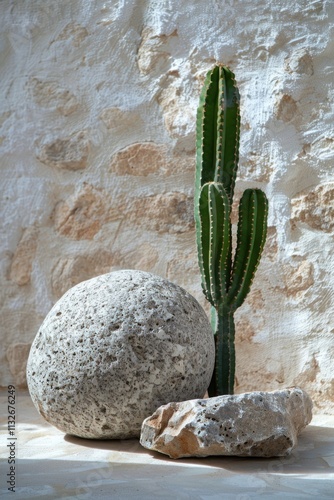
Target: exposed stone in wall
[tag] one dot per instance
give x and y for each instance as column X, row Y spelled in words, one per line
column 298, row 279
column 286, row 108
column 153, row 50
column 323, row 148
column 251, row 375
column 116, row 117
column 185, row 264
column 17, row 355
column 321, row 391
column 74, row 32
column 271, row 246
column 147, row 158
column 50, row 95
column 310, row 372
column 82, row 215
column 323, row 394
column 300, row 62
column 256, row 167
column 255, row 299
column 315, row 208
column 144, row 258
column 140, row 159
column 178, row 118
column 245, row 331
column 69, row 271
column 21, row 265
column 163, row 213
column 70, row 153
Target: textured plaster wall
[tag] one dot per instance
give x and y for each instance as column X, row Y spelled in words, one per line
column 98, row 104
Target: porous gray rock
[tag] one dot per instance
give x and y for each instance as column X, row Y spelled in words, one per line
column 113, row 349
column 256, row 424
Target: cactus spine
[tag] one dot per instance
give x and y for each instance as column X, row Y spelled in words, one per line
column 226, row 279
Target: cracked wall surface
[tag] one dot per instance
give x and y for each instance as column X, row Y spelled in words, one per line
column 97, row 138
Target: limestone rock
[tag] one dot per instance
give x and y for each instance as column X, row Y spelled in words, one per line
column 50, row 95
column 69, row 153
column 315, row 208
column 145, row 158
column 21, row 266
column 113, row 349
column 71, row 270
column 116, row 118
column 139, row 159
column 286, row 108
column 300, row 62
column 74, row 32
column 153, row 51
column 178, row 117
column 81, row 216
column 298, row 279
column 164, row 213
column 257, row 424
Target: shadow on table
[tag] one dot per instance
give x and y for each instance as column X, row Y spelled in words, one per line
column 313, row 444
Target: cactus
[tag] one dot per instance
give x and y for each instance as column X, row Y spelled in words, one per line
column 226, row 279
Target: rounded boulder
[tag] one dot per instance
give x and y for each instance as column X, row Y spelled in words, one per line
column 115, row 348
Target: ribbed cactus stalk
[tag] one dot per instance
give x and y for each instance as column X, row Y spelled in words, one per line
column 226, row 278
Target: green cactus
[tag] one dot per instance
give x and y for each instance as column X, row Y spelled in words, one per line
column 226, row 279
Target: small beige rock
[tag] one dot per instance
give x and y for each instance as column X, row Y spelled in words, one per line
column 257, row 424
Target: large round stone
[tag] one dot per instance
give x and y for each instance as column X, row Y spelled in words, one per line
column 115, row 348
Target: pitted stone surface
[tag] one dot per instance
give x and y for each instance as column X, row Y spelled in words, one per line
column 258, row 424
column 113, row 349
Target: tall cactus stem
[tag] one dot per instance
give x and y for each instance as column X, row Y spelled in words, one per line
column 222, row 381
column 226, row 279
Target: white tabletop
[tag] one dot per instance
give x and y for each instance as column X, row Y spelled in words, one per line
column 53, row 465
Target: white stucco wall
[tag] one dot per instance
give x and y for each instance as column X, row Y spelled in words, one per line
column 97, row 137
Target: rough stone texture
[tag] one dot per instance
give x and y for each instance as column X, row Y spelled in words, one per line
column 50, row 95
column 299, row 279
column 69, row 271
column 258, row 424
column 139, row 159
column 114, row 118
column 81, row 216
column 301, row 62
column 178, row 118
column 286, row 108
column 147, row 158
column 113, row 349
column 170, row 212
column 69, row 153
column 153, row 50
column 74, row 32
column 315, row 208
column 105, row 93
column 21, row 265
